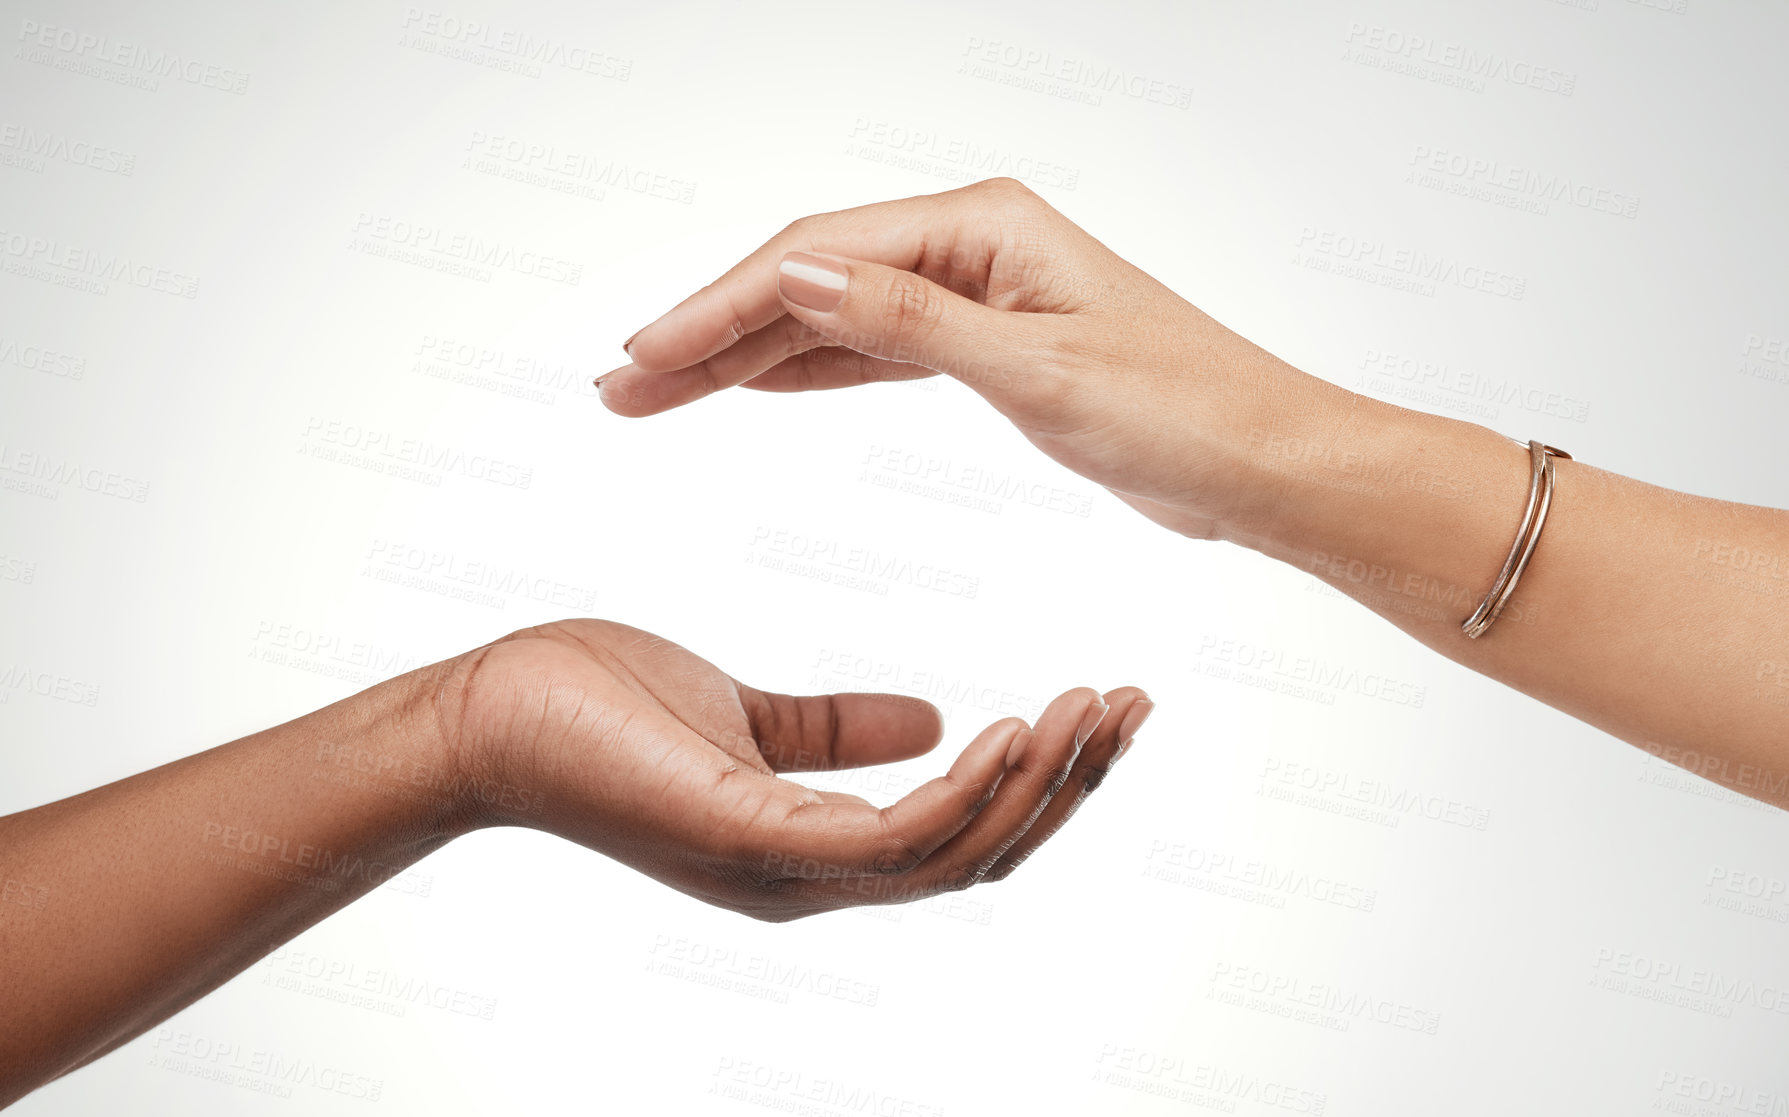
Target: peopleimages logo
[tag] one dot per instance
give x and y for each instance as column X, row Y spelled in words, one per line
column 799, row 553
column 45, row 475
column 1419, row 379
column 1257, row 877
column 1064, row 76
column 382, row 451
column 37, row 358
column 1230, row 981
column 567, row 170
column 33, row 147
column 66, row 48
column 798, row 1091
column 430, row 242
column 966, row 485
column 94, row 269
column 47, row 684
column 1686, row 986
column 923, row 149
column 1377, row 259
column 1393, row 50
column 1395, row 802
column 1267, row 660
column 1522, row 181
column 505, row 48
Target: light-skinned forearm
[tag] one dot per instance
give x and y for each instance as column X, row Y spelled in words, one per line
column 1654, row 615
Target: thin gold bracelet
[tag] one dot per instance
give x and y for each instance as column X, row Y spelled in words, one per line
column 1540, row 498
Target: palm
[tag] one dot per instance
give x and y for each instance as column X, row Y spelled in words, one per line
column 638, row 748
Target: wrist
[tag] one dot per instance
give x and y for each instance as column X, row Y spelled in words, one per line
column 1273, row 431
column 1296, row 453
column 484, row 713
column 1363, row 484
column 398, row 739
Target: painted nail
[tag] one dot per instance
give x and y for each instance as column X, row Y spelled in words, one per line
column 1090, row 721
column 1134, row 718
column 1016, row 751
column 811, row 281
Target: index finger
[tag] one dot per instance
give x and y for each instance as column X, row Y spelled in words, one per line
column 896, row 233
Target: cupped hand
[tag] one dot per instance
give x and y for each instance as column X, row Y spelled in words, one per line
column 1099, row 365
column 634, row 747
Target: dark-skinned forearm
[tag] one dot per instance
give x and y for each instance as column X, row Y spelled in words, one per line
column 148, row 893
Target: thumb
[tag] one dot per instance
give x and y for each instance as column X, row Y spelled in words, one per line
column 824, row 731
column 899, row 316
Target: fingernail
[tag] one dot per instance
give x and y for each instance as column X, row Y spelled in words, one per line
column 628, row 345
column 1016, row 750
column 602, row 381
column 1134, row 718
column 1090, row 721
column 811, row 281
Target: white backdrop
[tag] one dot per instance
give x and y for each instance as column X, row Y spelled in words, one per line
column 1414, row 892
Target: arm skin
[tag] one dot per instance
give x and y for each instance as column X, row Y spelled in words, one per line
column 1656, row 616
column 133, row 900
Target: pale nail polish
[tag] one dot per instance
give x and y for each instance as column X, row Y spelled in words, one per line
column 1134, row 719
column 1016, row 750
column 811, row 281
column 1090, row 721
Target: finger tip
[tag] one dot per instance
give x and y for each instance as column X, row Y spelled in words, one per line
column 987, row 753
column 618, row 398
column 637, row 393
column 620, row 391
column 933, row 721
column 1080, row 695
column 1015, row 749
column 1133, row 720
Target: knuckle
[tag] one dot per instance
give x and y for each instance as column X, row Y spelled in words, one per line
column 1019, row 211
column 1007, row 188
column 896, row 855
column 959, row 878
column 911, row 308
column 1005, row 869
column 804, row 232
column 1094, row 777
column 1053, row 384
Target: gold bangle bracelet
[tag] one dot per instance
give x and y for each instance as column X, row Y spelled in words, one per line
column 1540, row 498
